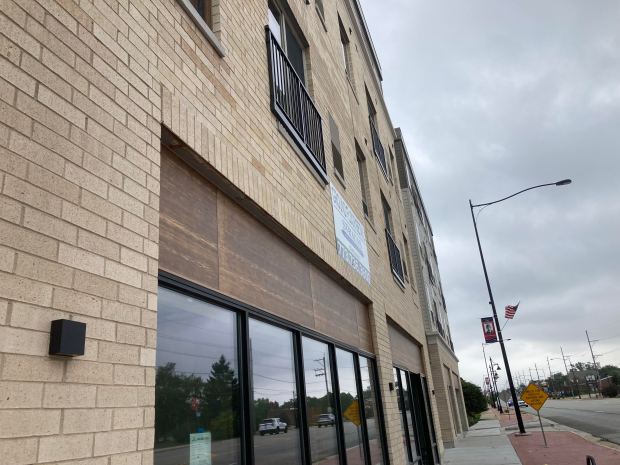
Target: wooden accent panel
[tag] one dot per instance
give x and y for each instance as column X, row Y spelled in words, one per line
column 338, row 314
column 187, row 223
column 257, row 267
column 405, row 351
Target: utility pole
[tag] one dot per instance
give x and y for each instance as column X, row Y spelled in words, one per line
column 537, row 374
column 572, row 391
column 551, row 376
column 531, row 377
column 598, row 375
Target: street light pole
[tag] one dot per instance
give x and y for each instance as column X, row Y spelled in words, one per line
column 484, row 353
column 513, row 392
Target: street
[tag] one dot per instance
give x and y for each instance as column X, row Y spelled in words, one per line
column 599, row 417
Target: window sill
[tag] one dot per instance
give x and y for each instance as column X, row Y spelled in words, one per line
column 339, row 177
column 203, row 27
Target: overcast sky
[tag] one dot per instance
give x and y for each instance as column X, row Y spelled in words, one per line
column 493, row 97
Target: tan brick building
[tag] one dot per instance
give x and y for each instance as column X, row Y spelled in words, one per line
column 210, row 186
column 443, row 360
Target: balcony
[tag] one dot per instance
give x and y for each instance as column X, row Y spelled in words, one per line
column 395, row 259
column 292, row 104
column 378, row 147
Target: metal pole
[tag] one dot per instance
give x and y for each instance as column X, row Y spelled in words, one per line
column 551, row 376
column 515, row 401
column 541, row 428
column 499, row 400
column 572, row 391
column 537, row 375
column 484, row 353
column 531, row 377
column 598, row 375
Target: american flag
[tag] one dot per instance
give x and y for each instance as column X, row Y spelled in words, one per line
column 510, row 311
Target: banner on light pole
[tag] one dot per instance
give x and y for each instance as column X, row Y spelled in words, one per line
column 488, row 329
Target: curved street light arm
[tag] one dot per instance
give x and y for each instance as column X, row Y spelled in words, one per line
column 515, row 194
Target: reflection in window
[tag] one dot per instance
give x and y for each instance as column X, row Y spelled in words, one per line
column 197, row 383
column 350, row 408
column 274, row 395
column 413, row 436
column 399, row 398
column 320, row 403
column 373, row 425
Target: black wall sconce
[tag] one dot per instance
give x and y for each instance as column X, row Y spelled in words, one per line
column 67, row 338
column 391, row 385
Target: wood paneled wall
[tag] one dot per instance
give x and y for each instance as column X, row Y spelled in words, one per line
column 209, row 239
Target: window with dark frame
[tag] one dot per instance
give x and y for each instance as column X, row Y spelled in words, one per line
column 204, row 8
column 345, row 50
column 364, row 185
column 290, row 99
column 336, row 154
column 220, row 370
column 319, row 8
column 407, row 260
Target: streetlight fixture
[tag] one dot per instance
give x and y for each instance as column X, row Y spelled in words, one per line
column 513, row 393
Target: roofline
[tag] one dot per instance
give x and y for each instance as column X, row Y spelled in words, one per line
column 367, row 36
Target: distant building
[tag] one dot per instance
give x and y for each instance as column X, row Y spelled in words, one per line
column 444, row 363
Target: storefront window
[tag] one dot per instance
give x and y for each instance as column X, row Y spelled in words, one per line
column 401, row 408
column 274, row 395
column 409, row 415
column 373, row 425
column 197, row 408
column 320, row 403
column 350, row 407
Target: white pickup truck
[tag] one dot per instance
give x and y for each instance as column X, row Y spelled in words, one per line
column 272, row 426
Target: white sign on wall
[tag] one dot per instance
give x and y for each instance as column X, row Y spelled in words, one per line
column 350, row 236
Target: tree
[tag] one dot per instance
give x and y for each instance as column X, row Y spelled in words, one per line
column 613, row 371
column 475, row 402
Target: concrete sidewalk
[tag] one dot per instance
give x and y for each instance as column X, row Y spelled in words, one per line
column 484, row 444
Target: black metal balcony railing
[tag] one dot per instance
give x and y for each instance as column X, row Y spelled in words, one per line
column 378, row 147
column 293, row 106
column 395, row 259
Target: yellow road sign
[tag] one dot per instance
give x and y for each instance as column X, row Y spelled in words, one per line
column 352, row 413
column 534, row 396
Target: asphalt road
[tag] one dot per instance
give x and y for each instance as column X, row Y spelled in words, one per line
column 599, row 417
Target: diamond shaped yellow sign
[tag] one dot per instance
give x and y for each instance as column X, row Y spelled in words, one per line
column 534, row 396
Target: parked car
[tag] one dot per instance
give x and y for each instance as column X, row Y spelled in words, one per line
column 272, row 426
column 522, row 403
column 326, row 419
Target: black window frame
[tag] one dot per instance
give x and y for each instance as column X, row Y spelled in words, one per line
column 244, row 312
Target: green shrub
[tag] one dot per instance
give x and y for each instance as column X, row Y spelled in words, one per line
column 475, row 402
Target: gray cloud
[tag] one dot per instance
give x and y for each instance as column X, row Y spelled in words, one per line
column 493, row 97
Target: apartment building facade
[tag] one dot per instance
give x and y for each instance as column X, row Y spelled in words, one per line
column 444, row 363
column 209, row 189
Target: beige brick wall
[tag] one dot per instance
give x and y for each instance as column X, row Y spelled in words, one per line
column 84, row 89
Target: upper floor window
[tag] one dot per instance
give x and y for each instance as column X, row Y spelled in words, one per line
column 284, row 33
column 319, row 8
column 364, row 184
column 204, row 8
column 290, row 100
column 345, row 50
column 336, row 153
